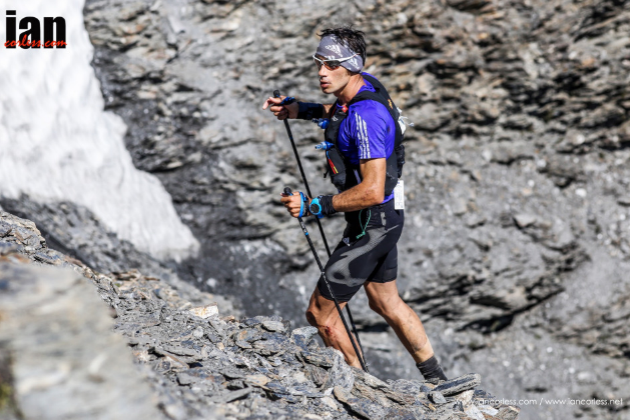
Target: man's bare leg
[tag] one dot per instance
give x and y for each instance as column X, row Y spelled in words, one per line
column 385, row 301
column 323, row 314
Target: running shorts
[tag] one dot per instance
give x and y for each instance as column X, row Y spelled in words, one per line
column 367, row 251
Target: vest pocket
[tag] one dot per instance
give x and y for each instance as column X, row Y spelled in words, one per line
column 336, row 168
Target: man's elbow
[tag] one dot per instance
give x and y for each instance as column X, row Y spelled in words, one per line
column 376, row 196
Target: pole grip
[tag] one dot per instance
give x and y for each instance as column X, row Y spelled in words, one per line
column 287, row 191
column 276, row 93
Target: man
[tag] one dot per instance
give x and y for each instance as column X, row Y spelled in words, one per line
column 365, row 161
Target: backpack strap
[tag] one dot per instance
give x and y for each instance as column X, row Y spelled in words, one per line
column 346, row 175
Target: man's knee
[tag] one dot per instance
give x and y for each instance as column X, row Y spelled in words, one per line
column 311, row 318
column 314, row 315
column 316, row 318
column 325, row 324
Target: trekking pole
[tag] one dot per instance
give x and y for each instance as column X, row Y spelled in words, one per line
column 276, row 93
column 287, row 192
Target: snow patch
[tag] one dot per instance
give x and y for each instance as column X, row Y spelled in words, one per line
column 57, row 142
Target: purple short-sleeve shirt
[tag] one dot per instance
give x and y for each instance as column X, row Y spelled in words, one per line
column 368, row 132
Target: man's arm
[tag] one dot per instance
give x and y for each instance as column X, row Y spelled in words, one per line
column 371, row 190
column 287, row 111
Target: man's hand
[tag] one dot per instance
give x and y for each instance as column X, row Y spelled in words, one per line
column 293, row 204
column 281, row 111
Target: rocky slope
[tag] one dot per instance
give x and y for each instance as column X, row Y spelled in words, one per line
column 516, row 177
column 61, row 359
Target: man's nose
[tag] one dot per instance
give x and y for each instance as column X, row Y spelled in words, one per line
column 323, row 71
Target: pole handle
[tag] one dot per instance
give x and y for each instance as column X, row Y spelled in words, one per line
column 276, row 93
column 287, row 191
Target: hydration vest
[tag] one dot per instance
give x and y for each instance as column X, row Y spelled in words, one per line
column 345, row 175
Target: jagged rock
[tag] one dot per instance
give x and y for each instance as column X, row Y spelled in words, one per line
column 205, row 311
column 458, row 385
column 437, row 397
column 508, row 153
column 274, row 326
column 257, row 380
column 248, row 335
column 359, row 406
column 318, row 359
column 302, row 336
column 508, row 413
column 192, row 370
column 525, row 220
column 470, row 5
column 64, row 358
column 474, row 413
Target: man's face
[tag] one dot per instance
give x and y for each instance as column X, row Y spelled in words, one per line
column 332, row 81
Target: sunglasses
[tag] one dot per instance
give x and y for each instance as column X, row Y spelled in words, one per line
column 331, row 64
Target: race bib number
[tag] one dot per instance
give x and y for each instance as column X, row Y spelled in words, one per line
column 399, row 195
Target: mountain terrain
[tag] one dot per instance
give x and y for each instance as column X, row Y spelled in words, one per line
column 516, row 245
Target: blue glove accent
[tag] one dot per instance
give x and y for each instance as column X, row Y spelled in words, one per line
column 303, row 201
column 324, row 146
column 288, row 100
column 316, row 208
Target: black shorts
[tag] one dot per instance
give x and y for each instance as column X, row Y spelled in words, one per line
column 359, row 258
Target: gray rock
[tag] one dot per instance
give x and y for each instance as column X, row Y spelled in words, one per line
column 232, row 373
column 193, row 372
column 458, row 385
column 318, row 359
column 524, row 220
column 65, row 360
column 508, row 413
column 302, row 336
column 359, row 406
column 7, row 248
column 5, row 229
column 274, row 326
column 230, row 396
column 437, row 397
